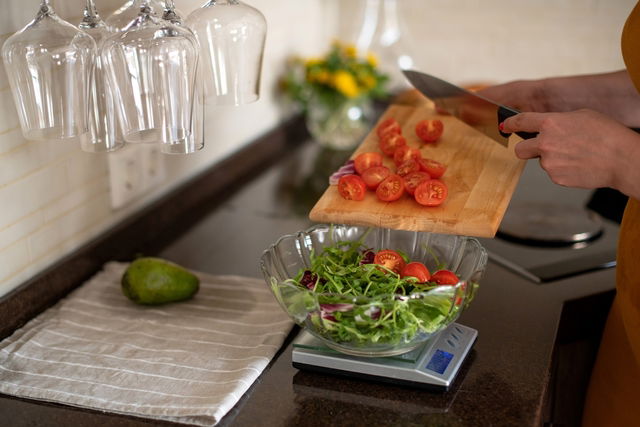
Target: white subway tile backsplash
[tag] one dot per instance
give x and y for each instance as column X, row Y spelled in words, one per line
column 31, row 156
column 91, row 189
column 31, row 193
column 14, row 258
column 10, row 139
column 62, row 228
column 21, row 229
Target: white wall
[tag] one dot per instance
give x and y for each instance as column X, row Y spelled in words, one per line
column 490, row 41
column 54, row 197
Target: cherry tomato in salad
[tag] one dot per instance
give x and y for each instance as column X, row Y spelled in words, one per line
column 387, row 126
column 352, row 187
column 418, row 270
column 364, row 161
column 390, row 142
column 444, row 277
column 374, row 175
column 391, row 188
column 413, row 179
column 431, row 192
column 390, row 259
column 429, row 130
column 407, row 167
column 432, row 167
column 405, row 153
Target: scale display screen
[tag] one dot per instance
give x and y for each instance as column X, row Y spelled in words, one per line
column 439, row 361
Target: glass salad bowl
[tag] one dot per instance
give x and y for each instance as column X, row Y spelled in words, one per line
column 333, row 281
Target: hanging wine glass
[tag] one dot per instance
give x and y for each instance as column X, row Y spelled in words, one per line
column 170, row 14
column 152, row 70
column 231, row 35
column 48, row 66
column 105, row 134
column 122, row 17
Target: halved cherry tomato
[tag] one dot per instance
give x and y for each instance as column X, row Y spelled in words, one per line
column 433, row 168
column 374, row 175
column 364, row 161
column 390, row 259
column 390, row 141
column 407, row 167
column 352, row 187
column 417, row 270
column 405, row 153
column 413, row 179
column 431, row 192
column 444, row 277
column 389, row 125
column 391, row 188
column 429, row 130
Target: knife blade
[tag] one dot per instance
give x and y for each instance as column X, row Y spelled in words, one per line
column 475, row 110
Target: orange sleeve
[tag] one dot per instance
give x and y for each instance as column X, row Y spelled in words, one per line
column 614, row 389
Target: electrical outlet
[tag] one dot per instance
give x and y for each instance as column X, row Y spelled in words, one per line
column 134, row 171
column 153, row 168
column 125, row 175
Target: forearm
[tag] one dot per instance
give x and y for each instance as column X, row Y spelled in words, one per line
column 612, row 94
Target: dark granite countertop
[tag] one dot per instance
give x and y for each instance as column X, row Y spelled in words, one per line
column 508, row 380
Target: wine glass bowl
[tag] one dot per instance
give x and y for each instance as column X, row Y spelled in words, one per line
column 152, row 69
column 104, row 131
column 48, row 65
column 231, row 35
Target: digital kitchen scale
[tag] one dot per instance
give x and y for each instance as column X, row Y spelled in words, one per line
column 433, row 366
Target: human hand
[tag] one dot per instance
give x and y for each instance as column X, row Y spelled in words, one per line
column 523, row 95
column 583, row 149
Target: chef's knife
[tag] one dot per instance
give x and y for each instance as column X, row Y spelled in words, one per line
column 473, row 109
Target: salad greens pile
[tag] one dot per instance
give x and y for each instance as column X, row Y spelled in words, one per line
column 347, row 298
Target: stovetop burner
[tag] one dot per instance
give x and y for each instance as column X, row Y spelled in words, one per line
column 546, row 242
column 550, row 224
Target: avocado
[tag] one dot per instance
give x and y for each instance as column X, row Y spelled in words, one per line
column 153, row 281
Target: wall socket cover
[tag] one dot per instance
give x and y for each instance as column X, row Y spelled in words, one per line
column 134, row 171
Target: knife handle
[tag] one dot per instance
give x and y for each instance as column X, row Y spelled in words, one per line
column 506, row 112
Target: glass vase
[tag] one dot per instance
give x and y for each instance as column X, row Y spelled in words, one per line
column 339, row 125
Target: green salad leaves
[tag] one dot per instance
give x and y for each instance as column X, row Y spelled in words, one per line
column 348, row 299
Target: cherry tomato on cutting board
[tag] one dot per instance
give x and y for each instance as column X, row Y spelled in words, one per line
column 390, row 259
column 390, row 142
column 364, row 161
column 413, row 179
column 404, row 153
column 418, row 270
column 431, row 192
column 432, row 167
column 429, row 130
column 374, row 175
column 407, row 167
column 388, row 126
column 352, row 187
column 391, row 188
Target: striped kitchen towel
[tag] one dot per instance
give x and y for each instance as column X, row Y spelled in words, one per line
column 187, row 362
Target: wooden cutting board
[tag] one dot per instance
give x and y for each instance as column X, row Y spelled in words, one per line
column 481, row 177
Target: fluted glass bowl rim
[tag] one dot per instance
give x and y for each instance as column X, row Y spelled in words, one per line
column 277, row 278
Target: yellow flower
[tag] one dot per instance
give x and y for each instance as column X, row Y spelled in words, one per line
column 372, row 60
column 368, row 81
column 323, row 77
column 312, row 62
column 350, row 51
column 345, row 83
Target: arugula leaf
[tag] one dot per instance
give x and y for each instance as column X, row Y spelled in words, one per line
column 361, row 303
